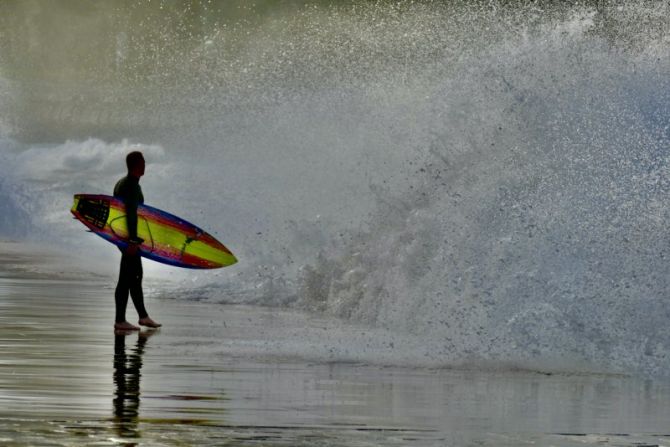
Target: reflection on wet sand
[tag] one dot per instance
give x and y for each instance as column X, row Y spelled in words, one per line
column 127, row 373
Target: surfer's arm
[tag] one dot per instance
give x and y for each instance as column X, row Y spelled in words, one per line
column 131, row 195
column 132, row 201
column 131, row 220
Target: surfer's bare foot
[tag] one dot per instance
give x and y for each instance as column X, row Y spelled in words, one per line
column 148, row 322
column 125, row 326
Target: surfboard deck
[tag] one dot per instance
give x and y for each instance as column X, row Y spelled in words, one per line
column 167, row 238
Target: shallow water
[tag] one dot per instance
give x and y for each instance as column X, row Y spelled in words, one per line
column 213, row 376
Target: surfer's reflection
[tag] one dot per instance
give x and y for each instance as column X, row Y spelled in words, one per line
column 127, row 367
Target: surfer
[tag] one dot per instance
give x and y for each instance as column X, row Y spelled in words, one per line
column 130, row 275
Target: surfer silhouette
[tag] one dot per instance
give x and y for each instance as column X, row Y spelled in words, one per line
column 130, row 274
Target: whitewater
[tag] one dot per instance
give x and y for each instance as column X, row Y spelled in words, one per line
column 487, row 181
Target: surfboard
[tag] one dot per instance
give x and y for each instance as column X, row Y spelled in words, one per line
column 167, row 238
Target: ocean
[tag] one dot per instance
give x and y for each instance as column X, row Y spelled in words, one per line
column 487, row 177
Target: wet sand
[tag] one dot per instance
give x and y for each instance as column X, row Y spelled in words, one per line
column 239, row 376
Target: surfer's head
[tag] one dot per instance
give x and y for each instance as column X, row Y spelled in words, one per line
column 135, row 163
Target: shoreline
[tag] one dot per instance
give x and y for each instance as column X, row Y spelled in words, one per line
column 387, row 349
column 42, row 261
column 242, row 375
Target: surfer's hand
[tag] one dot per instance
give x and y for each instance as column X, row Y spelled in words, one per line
column 133, row 246
column 131, row 249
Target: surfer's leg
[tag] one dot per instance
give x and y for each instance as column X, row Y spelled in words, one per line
column 138, row 295
column 136, row 286
column 121, row 292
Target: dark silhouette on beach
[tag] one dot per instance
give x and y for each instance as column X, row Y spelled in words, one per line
column 130, row 274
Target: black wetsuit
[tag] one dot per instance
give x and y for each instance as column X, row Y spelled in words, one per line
column 130, row 275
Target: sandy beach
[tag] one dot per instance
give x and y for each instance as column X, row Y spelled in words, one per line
column 231, row 375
